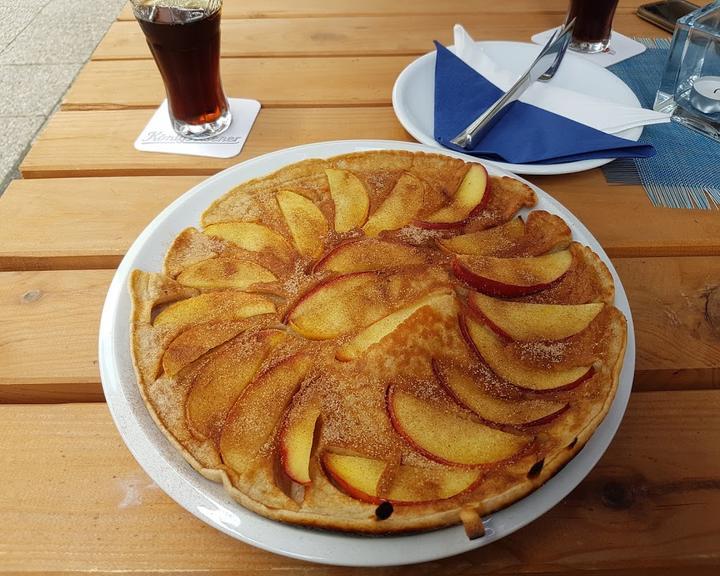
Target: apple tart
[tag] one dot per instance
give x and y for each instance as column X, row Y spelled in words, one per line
column 377, row 343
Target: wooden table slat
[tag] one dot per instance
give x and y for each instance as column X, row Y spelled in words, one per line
column 360, row 36
column 79, row 223
column 100, row 143
column 276, row 82
column 49, row 337
column 50, row 327
column 83, row 223
column 82, row 504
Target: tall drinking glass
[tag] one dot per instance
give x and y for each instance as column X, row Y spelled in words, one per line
column 184, row 38
column 593, row 24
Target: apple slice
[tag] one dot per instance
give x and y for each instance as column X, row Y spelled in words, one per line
column 252, row 237
column 542, row 233
column 192, row 343
column 413, row 484
column 491, row 350
column 350, row 197
column 225, row 272
column 404, row 202
column 222, row 305
column 338, row 306
column 257, row 412
column 355, row 475
column 447, row 437
column 512, row 276
column 521, row 413
column 359, row 477
column 296, row 441
column 527, row 322
column 485, row 242
column 374, row 333
column 369, row 254
column 470, row 198
column 218, row 384
column 306, row 222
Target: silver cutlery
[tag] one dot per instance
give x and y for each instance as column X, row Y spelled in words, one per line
column 547, row 63
column 561, row 54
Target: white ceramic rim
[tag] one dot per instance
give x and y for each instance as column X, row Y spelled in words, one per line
column 403, row 85
column 208, row 500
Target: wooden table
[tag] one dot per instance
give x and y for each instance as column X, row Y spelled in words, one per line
column 73, row 500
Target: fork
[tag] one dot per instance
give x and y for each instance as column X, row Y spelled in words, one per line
column 561, row 54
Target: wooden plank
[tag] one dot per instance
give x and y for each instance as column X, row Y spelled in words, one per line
column 101, row 143
column 50, row 322
column 358, row 36
column 79, row 223
column 84, row 223
column 309, row 8
column 659, row 481
column 278, row 82
column 625, row 222
column 669, row 302
column 48, row 342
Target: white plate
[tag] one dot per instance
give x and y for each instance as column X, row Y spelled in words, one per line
column 207, row 500
column 414, row 96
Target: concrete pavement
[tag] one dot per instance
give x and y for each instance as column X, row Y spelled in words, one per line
column 43, row 45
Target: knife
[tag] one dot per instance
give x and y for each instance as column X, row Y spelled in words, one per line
column 551, row 52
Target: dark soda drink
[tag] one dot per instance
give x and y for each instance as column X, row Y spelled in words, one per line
column 593, row 24
column 185, row 44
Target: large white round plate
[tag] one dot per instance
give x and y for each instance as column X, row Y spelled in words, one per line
column 414, row 96
column 207, row 500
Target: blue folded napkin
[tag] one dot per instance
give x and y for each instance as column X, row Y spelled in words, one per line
column 526, row 134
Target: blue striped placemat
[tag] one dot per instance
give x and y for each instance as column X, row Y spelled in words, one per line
column 684, row 172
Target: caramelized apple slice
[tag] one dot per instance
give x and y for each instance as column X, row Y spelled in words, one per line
column 486, row 242
column 527, row 322
column 223, row 305
column 192, row 343
column 252, row 237
column 491, row 350
column 350, row 197
column 359, row 477
column 296, row 441
column 356, row 476
column 404, row 202
column 447, row 437
column 257, row 412
column 463, row 387
column 338, row 306
column 369, row 254
column 412, row 484
column 543, row 232
column 512, row 276
column 470, row 198
column 374, row 333
column 225, row 272
column 218, row 384
column 306, row 222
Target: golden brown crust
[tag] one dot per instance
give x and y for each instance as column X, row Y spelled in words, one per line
column 352, row 394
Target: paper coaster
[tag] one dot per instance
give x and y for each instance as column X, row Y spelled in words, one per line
column 158, row 135
column 620, row 48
